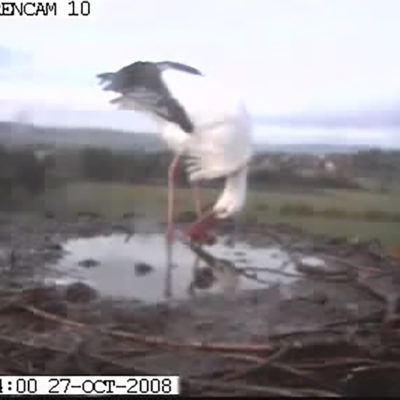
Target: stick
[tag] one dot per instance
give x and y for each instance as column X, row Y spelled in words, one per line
column 265, row 390
column 153, row 340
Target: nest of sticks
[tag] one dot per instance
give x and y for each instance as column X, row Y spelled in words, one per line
column 44, row 332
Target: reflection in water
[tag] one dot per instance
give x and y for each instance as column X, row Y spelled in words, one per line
column 168, row 273
column 192, row 271
column 217, row 272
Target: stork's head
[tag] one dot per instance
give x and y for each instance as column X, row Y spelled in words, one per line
column 228, row 207
column 233, row 197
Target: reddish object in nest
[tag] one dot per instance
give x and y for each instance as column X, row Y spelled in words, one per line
column 395, row 252
column 199, row 231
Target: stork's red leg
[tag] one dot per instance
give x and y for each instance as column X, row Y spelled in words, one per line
column 197, row 200
column 198, row 230
column 171, row 184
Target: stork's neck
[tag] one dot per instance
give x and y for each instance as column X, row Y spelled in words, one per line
column 233, row 197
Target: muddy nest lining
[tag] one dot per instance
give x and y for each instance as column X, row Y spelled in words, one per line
column 328, row 334
column 42, row 333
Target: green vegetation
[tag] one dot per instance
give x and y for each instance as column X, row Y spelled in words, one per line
column 20, row 172
column 358, row 198
column 349, row 213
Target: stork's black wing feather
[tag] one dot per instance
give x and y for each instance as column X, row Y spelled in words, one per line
column 179, row 67
column 162, row 105
column 172, row 111
column 142, row 88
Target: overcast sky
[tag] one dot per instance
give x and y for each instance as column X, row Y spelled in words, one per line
column 310, row 70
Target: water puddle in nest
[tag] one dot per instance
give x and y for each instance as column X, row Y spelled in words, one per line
column 137, row 268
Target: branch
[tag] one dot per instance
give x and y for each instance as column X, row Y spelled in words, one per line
column 153, row 340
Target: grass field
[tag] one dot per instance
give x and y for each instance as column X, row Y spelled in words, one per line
column 115, row 199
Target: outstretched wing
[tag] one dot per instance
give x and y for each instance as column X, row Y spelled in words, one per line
column 164, row 106
column 142, row 88
column 179, row 67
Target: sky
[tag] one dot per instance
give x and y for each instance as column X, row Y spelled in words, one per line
column 317, row 71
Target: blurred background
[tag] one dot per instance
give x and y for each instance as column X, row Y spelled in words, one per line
column 321, row 80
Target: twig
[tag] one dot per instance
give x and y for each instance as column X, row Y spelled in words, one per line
column 258, row 367
column 66, row 352
column 320, row 272
column 337, row 363
column 160, row 341
column 153, row 340
column 213, row 262
column 278, row 336
column 348, row 263
column 371, row 292
column 244, row 358
column 305, row 375
column 11, row 340
column 257, row 389
column 269, row 270
column 254, row 278
column 376, row 316
column 378, row 367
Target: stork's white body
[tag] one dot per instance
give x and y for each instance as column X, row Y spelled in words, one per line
column 220, row 146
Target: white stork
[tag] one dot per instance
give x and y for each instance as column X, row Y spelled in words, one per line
column 201, row 121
